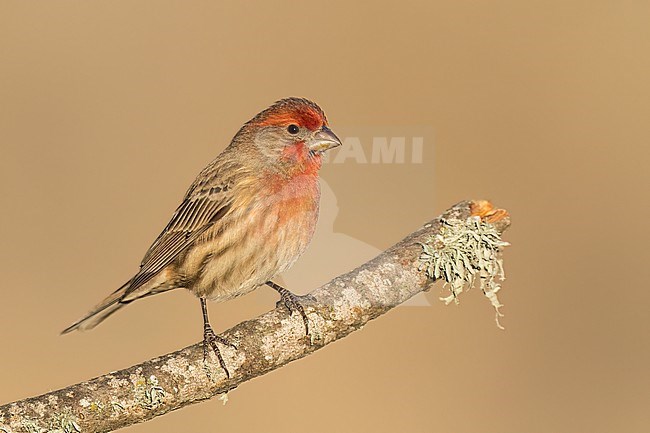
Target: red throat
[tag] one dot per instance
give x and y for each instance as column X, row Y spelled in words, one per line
column 299, row 156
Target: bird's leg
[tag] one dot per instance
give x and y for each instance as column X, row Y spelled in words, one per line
column 291, row 301
column 211, row 339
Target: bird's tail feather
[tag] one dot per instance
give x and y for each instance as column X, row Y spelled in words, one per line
column 101, row 311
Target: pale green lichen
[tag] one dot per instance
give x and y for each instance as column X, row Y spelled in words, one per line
column 117, row 407
column 150, row 394
column 64, row 422
column 30, row 426
column 463, row 252
column 4, row 428
column 92, row 406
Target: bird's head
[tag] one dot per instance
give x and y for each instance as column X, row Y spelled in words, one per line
column 292, row 134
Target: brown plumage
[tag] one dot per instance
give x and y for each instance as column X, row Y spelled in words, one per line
column 247, row 217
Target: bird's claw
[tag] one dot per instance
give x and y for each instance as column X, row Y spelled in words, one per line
column 211, row 339
column 293, row 303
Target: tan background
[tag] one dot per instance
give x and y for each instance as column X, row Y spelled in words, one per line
column 110, row 108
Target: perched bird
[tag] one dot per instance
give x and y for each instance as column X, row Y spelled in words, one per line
column 246, row 218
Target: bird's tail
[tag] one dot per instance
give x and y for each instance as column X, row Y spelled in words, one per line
column 101, row 311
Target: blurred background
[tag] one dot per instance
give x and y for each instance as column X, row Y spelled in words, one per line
column 110, row 108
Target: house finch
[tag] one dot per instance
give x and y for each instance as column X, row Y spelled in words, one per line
column 247, row 217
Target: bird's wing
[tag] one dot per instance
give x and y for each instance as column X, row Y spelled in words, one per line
column 206, row 202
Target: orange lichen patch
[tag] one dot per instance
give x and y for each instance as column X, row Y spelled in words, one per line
column 486, row 211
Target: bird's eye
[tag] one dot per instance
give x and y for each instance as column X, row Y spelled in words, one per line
column 293, row 129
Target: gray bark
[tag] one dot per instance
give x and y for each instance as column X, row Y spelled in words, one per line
column 171, row 381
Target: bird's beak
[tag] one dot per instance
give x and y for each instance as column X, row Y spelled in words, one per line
column 323, row 140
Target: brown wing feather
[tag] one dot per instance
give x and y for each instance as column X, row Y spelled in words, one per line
column 204, row 204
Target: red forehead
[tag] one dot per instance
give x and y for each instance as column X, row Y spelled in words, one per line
column 303, row 116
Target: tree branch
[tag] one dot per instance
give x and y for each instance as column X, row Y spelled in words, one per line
column 169, row 382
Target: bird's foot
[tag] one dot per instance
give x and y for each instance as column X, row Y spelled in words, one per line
column 293, row 303
column 211, row 339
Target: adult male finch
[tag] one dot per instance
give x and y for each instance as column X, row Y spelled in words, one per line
column 247, row 217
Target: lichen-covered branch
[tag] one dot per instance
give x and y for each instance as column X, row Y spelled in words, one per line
column 265, row 343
